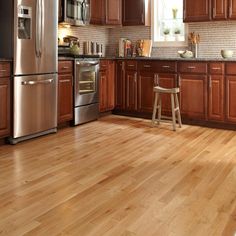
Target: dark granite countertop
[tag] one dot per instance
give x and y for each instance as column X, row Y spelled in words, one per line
column 219, row 59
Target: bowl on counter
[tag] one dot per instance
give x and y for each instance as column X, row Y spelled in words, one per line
column 186, row 54
column 227, row 53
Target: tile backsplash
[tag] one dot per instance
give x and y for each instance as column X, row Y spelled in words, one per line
column 214, row 37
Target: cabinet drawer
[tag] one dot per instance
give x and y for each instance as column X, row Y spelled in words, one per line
column 103, row 65
column 230, row 68
column 166, row 66
column 146, row 65
column 65, row 67
column 193, row 67
column 131, row 65
column 5, row 69
column 216, row 68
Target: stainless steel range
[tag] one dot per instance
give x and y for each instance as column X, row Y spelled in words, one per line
column 86, row 90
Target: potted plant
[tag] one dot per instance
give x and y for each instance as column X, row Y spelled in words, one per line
column 177, row 32
column 166, row 33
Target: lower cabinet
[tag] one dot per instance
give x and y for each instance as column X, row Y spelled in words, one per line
column 167, row 81
column 216, row 92
column 231, row 99
column 131, row 77
column 4, row 107
column 230, row 92
column 146, row 82
column 193, row 97
column 65, row 91
column 120, row 86
column 107, row 85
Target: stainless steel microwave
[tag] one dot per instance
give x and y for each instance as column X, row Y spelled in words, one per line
column 74, row 12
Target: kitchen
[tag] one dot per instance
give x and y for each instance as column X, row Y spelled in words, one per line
column 117, row 175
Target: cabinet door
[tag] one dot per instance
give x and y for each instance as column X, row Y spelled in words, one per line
column 167, row 81
column 120, row 86
column 219, row 9
column 111, row 86
column 145, row 91
column 197, row 10
column 131, row 90
column 113, row 12
column 232, row 9
column 97, row 12
column 216, row 98
column 65, row 98
column 193, row 94
column 103, row 91
column 135, row 12
column 231, row 99
column 4, row 107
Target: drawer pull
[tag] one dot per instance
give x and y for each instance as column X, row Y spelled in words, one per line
column 64, row 80
column 130, row 65
column 216, row 68
column 3, row 70
column 147, row 66
column 191, row 67
column 65, row 67
column 166, row 67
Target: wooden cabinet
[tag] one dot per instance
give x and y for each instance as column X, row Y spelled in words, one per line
column 232, row 9
column 195, row 11
column 97, row 12
column 219, row 9
column 146, row 82
column 106, row 85
column 4, row 99
column 65, row 91
column 193, row 89
column 105, row 12
column 120, row 86
column 131, row 90
column 113, row 12
column 136, row 12
column 216, row 93
column 230, row 69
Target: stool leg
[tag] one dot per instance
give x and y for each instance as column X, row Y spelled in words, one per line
column 155, row 108
column 178, row 111
column 173, row 111
column 160, row 108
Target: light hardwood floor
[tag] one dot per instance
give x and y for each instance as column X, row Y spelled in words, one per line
column 120, row 176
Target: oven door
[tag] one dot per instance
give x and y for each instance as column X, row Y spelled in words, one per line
column 74, row 12
column 86, row 82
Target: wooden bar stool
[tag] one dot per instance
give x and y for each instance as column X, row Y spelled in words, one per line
column 174, row 106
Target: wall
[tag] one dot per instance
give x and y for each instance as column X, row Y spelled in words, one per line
column 97, row 34
column 214, row 37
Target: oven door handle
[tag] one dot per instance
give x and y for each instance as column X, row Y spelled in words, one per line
column 87, row 64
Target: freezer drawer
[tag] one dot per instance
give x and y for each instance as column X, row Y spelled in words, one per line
column 35, row 104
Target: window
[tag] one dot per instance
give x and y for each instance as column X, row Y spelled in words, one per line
column 168, row 28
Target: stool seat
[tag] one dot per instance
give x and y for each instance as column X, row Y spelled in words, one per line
column 159, row 89
column 157, row 107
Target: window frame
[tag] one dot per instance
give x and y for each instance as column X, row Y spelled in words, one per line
column 166, row 43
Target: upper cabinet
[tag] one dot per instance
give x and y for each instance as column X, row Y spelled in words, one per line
column 136, row 12
column 106, row 12
column 209, row 10
column 195, row 11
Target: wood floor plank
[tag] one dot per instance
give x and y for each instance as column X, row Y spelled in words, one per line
column 119, row 176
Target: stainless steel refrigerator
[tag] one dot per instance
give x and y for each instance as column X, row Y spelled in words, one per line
column 28, row 30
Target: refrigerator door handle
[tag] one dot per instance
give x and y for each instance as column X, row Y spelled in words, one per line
column 32, row 82
column 41, row 26
column 37, row 29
